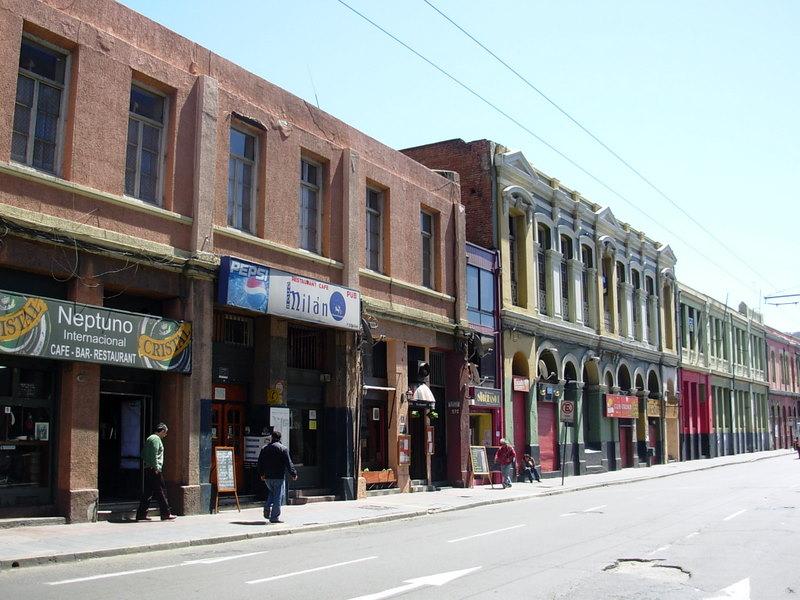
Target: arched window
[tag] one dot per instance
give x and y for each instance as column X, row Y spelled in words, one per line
column 621, row 299
column 513, row 249
column 543, row 237
column 566, row 255
column 649, row 288
column 587, row 261
column 772, row 366
column 636, row 280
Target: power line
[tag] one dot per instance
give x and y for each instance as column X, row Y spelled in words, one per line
column 630, row 167
column 541, row 140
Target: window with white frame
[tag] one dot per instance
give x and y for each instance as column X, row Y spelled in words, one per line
column 241, row 180
column 144, row 157
column 310, row 204
column 36, row 131
column 426, row 228
column 374, row 229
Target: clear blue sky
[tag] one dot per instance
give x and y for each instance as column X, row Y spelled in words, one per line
column 701, row 97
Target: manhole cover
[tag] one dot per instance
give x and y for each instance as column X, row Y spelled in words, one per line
column 650, row 569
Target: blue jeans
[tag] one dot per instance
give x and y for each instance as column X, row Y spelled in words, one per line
column 508, row 473
column 274, row 499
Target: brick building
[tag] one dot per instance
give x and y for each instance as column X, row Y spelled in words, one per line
column 133, row 163
column 783, row 369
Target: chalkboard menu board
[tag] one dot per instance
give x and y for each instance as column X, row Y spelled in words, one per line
column 480, row 464
column 226, row 478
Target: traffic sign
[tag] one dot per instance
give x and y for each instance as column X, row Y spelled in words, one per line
column 567, row 411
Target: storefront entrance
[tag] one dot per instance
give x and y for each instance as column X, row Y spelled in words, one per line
column 125, row 422
column 227, row 429
column 416, row 427
column 520, row 424
column 654, row 444
column 305, row 448
column 625, row 446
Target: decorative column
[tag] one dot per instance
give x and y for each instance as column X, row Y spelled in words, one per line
column 627, row 313
column 593, row 318
column 552, row 261
column 574, row 270
column 640, row 306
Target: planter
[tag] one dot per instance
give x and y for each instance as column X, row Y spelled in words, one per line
column 373, row 477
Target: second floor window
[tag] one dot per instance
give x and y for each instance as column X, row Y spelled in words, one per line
column 426, row 228
column 241, row 180
column 374, row 229
column 37, row 111
column 480, row 296
column 513, row 259
column 310, row 187
column 143, row 157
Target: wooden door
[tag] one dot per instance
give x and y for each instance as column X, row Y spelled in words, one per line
column 653, row 440
column 625, row 446
column 520, row 440
column 227, row 429
column 548, row 436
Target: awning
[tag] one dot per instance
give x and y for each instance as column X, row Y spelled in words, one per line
column 423, row 394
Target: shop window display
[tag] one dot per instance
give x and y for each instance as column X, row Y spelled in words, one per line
column 26, row 431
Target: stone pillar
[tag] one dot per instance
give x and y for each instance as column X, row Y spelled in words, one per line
column 640, row 306
column 574, row 391
column 353, row 203
column 627, row 310
column 552, row 261
column 575, row 269
column 457, row 420
column 655, row 330
column 78, row 419
column 397, row 377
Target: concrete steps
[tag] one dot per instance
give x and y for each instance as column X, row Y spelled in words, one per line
column 31, row 522
column 385, row 492
column 594, row 469
column 309, row 496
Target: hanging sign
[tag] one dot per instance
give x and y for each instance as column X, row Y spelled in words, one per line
column 653, row 407
column 621, row 407
column 521, row 384
column 304, row 299
column 243, row 284
column 48, row 328
column 489, row 397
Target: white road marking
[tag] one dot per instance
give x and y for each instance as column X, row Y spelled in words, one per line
column 691, row 535
column 199, row 561
column 303, row 572
column 211, row 561
column 585, row 510
column 657, row 550
column 469, row 537
column 738, row 591
column 734, row 515
column 411, row 584
column 107, row 575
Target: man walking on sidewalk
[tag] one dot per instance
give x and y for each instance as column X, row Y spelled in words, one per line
column 274, row 463
column 506, row 458
column 153, row 459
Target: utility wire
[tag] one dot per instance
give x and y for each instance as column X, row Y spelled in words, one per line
column 541, row 140
column 630, row 167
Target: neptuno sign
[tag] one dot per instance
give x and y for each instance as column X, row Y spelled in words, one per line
column 305, row 299
column 33, row 326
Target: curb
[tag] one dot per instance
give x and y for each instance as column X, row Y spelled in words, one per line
column 398, row 516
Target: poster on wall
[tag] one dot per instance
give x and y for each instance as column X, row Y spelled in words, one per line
column 48, row 328
column 279, row 419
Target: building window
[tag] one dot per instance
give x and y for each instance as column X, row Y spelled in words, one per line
column 241, row 180
column 480, row 296
column 38, row 108
column 566, row 256
column 143, row 157
column 513, row 260
column 543, row 237
column 586, row 259
column 374, row 229
column 426, row 228
column 310, row 209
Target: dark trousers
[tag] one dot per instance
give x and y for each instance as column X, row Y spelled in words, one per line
column 153, row 486
column 530, row 473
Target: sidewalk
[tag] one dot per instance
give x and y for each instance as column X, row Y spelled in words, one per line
column 25, row 546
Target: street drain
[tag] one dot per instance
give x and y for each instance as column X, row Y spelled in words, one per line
column 651, row 569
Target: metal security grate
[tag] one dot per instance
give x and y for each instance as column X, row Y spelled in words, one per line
column 437, row 368
column 305, row 348
column 233, row 329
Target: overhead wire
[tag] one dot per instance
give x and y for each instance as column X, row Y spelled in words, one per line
column 611, row 151
column 547, row 144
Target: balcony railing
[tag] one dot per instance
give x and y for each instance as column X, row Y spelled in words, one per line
column 565, row 309
column 543, row 302
column 588, row 318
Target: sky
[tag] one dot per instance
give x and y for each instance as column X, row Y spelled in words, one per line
column 701, row 98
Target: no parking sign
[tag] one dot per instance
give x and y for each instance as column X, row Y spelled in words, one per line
column 567, row 411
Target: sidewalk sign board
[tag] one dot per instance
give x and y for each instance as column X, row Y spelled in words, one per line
column 225, row 474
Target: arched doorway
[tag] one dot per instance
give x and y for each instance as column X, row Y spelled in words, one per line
column 626, row 426
column 571, row 452
column 546, row 406
column 654, row 423
column 519, row 406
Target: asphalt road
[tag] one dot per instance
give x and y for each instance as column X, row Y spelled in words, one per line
column 731, row 532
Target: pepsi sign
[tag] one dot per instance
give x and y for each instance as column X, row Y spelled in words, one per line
column 243, row 284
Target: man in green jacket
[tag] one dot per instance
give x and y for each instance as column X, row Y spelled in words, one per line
column 153, row 461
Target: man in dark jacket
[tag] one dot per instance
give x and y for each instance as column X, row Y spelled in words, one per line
column 273, row 465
